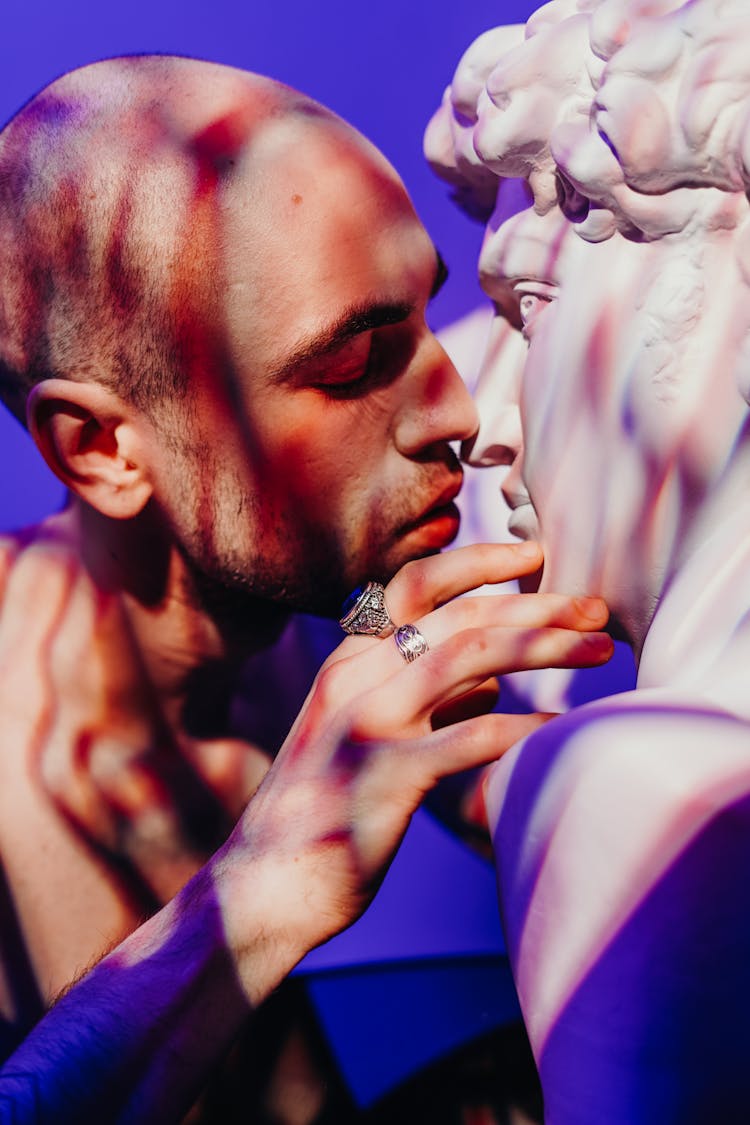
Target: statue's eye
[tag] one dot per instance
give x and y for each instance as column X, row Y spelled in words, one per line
column 530, row 305
column 533, row 299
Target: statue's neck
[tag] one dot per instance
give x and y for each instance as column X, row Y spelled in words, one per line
column 699, row 638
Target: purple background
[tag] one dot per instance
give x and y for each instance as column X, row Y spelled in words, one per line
column 382, row 66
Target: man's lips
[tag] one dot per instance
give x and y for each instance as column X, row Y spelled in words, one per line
column 440, row 522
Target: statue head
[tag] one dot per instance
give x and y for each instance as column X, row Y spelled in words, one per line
column 625, row 275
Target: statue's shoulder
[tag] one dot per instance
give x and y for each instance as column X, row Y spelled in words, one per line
column 613, row 758
column 666, row 715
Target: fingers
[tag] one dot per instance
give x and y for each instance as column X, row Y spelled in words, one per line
column 422, row 585
column 477, row 702
column 517, row 611
column 470, row 640
column 403, row 703
column 464, row 746
column 377, row 659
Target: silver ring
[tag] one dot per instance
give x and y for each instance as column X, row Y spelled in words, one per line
column 410, row 642
column 364, row 612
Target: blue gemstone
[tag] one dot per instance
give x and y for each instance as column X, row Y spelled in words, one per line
column 352, row 600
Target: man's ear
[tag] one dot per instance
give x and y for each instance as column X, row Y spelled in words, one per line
column 93, row 441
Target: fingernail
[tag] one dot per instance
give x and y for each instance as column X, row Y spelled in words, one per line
column 600, row 643
column 529, row 549
column 593, row 608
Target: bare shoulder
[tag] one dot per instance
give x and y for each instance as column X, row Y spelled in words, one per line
column 621, row 760
column 640, row 722
column 32, row 558
column 66, row 906
column 12, row 545
column 40, row 568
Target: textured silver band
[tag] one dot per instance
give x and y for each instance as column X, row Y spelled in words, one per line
column 410, row 642
column 368, row 615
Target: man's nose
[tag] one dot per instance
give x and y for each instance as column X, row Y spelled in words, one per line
column 440, row 408
column 499, row 438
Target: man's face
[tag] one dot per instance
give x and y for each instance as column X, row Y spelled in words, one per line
column 627, row 406
column 319, row 451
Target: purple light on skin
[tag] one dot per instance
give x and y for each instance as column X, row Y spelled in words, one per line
column 178, row 1001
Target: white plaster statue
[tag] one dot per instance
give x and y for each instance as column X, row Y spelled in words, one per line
column 622, row 830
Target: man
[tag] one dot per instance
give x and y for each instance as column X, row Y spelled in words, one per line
column 212, row 315
column 621, row 830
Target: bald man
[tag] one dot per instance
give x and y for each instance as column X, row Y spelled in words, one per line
column 212, row 319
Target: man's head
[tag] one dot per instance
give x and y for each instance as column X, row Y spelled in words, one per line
column 627, row 279
column 212, row 302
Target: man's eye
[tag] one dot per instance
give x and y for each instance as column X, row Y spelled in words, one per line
column 369, row 362
column 356, row 383
column 348, row 370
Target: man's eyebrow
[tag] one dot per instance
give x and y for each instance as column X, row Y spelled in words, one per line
column 352, row 322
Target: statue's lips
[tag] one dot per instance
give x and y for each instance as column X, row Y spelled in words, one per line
column 523, row 522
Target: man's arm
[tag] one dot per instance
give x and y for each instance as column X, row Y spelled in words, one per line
column 137, row 1037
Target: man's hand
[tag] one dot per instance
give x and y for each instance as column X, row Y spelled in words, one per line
column 308, row 852
column 317, row 838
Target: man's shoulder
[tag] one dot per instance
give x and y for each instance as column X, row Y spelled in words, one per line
column 41, row 571
column 33, row 557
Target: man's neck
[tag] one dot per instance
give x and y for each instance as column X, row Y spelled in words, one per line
column 186, row 649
